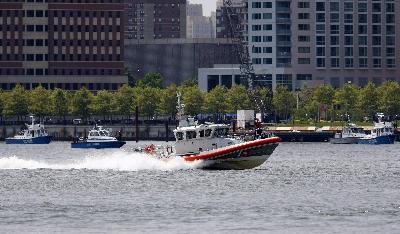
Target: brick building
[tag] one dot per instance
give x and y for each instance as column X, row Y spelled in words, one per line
column 155, row 19
column 62, row 44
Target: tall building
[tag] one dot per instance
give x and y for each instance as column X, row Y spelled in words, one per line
column 335, row 42
column 155, row 19
column 62, row 44
column 198, row 25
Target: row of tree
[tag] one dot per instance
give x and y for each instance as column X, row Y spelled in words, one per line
column 322, row 102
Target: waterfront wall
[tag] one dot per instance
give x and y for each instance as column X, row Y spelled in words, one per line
column 128, row 132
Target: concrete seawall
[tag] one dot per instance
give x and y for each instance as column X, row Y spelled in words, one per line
column 128, row 132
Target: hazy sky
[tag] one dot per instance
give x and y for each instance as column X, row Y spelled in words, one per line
column 208, row 5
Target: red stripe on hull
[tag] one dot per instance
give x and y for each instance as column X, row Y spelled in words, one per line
column 230, row 149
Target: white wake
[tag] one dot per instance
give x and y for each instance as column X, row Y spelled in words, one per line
column 121, row 161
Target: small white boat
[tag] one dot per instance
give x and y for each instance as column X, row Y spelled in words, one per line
column 349, row 135
column 98, row 138
column 34, row 134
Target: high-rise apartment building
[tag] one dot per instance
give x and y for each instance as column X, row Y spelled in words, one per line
column 61, row 44
column 293, row 42
column 198, row 25
column 155, row 19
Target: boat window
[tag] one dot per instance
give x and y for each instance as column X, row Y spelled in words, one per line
column 201, row 133
column 190, row 135
column 179, row 136
column 94, row 134
column 102, row 133
column 33, row 133
column 208, row 132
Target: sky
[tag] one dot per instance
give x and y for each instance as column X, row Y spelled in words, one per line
column 208, row 5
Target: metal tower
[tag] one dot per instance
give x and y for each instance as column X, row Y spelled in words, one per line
column 237, row 29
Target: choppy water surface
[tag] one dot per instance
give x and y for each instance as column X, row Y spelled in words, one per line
column 304, row 188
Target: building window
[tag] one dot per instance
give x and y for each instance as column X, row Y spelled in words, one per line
column 256, row 5
column 304, row 50
column 363, row 62
column 348, row 62
column 267, row 4
column 267, row 50
column 320, row 40
column 363, row 51
column 267, row 60
column 320, row 51
column 320, row 6
column 376, row 62
column 303, row 61
column 304, row 76
column 304, row 27
column 320, row 62
column 335, row 62
column 390, row 63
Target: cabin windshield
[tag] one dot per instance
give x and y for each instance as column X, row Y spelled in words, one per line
column 179, row 136
column 190, row 135
column 220, row 132
column 208, row 132
column 94, row 134
column 102, row 133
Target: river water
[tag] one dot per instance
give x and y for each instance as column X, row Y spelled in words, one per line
column 303, row 188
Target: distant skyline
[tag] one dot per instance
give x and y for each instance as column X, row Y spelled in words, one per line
column 208, row 5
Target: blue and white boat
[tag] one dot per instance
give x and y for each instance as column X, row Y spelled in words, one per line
column 98, row 138
column 350, row 134
column 382, row 133
column 34, row 134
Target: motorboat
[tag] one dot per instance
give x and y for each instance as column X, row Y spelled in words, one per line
column 211, row 144
column 382, row 133
column 98, row 138
column 33, row 134
column 350, row 134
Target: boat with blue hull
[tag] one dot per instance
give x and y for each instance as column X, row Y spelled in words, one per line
column 34, row 134
column 98, row 138
column 382, row 133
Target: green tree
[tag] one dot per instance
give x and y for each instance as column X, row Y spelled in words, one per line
column 168, row 101
column 261, row 99
column 59, row 103
column 148, row 99
column 215, row 101
column 81, row 102
column 40, row 102
column 389, row 97
column 125, row 101
column 193, row 98
column 237, row 98
column 346, row 97
column 16, row 103
column 368, row 100
column 284, row 102
column 322, row 99
column 103, row 104
column 189, row 82
column 151, row 79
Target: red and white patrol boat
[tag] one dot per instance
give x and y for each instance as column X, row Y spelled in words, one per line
column 210, row 143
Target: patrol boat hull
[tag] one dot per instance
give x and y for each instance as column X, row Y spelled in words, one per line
column 380, row 140
column 35, row 140
column 98, row 145
column 242, row 156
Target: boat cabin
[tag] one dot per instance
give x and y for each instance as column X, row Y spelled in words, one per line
column 201, row 132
